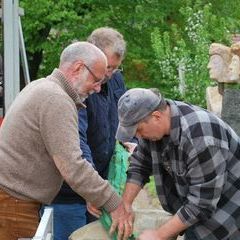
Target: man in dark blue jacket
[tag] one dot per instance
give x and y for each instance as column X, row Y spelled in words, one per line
column 98, row 124
column 97, row 128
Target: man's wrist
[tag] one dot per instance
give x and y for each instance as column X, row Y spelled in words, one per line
column 161, row 234
column 128, row 207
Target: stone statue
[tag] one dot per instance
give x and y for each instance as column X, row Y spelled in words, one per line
column 220, row 58
column 214, row 100
column 224, row 68
column 234, row 67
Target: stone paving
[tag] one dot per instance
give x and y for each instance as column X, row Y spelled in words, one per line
column 146, row 216
column 144, row 219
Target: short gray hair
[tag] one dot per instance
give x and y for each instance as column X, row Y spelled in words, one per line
column 108, row 38
column 84, row 51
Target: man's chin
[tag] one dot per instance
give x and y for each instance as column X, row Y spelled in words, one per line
column 90, row 93
column 85, row 96
column 154, row 139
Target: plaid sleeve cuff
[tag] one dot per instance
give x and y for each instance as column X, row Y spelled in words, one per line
column 186, row 216
column 137, row 179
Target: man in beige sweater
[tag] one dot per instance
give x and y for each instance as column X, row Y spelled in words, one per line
column 39, row 146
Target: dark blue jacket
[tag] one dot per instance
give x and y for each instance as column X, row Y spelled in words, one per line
column 97, row 128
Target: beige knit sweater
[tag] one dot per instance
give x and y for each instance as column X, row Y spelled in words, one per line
column 39, row 146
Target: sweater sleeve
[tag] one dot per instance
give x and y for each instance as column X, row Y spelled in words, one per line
column 59, row 130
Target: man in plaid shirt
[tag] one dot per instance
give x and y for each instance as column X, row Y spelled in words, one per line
column 195, row 159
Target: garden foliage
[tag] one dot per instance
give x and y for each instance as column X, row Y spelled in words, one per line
column 167, row 40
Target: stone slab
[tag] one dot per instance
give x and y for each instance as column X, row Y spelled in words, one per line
column 144, row 219
column 231, row 108
column 214, row 100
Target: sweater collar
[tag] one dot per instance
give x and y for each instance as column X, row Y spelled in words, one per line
column 59, row 77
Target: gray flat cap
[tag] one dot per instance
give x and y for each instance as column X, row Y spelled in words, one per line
column 133, row 106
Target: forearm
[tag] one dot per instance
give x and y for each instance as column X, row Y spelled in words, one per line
column 171, row 228
column 85, row 181
column 167, row 231
column 130, row 193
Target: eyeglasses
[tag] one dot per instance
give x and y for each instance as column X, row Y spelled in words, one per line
column 97, row 80
column 114, row 69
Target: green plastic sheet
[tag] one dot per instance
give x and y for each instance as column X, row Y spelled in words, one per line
column 117, row 177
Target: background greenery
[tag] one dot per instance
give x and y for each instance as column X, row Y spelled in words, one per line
column 164, row 37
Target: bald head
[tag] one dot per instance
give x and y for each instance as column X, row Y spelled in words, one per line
column 84, row 51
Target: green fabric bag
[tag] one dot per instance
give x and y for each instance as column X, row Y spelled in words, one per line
column 117, row 177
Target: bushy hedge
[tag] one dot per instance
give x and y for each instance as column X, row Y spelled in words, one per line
column 163, row 37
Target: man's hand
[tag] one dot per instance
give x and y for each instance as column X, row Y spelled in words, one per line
column 168, row 231
column 93, row 210
column 130, row 146
column 122, row 219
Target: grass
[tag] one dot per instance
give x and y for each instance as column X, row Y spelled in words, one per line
column 151, row 187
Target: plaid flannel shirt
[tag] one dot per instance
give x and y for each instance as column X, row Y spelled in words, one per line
column 196, row 170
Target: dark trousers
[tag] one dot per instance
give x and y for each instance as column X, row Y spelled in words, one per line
column 90, row 217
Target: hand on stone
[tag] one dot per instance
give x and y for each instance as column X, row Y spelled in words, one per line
column 123, row 221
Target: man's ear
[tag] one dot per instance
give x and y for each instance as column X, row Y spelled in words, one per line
column 77, row 66
column 157, row 114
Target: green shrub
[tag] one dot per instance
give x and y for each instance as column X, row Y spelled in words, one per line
column 184, row 50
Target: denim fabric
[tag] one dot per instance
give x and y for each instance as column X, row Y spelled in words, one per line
column 67, row 218
column 90, row 218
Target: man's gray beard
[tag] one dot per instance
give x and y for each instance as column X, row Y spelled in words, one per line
column 83, row 98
